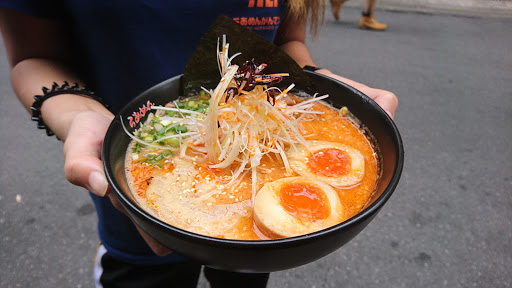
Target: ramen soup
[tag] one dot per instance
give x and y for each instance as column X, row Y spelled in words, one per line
column 248, row 161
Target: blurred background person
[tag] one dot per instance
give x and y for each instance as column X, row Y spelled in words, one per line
column 367, row 21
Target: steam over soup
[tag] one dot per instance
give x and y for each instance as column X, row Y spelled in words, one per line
column 249, row 161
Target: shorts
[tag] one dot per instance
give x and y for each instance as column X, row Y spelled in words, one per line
column 111, row 272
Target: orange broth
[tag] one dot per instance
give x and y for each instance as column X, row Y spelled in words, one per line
column 329, row 126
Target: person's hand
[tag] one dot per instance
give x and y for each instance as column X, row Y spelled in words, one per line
column 83, row 166
column 82, row 150
column 387, row 100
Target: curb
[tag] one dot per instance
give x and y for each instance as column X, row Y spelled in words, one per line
column 473, row 8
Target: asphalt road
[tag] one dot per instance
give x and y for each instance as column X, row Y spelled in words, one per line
column 448, row 224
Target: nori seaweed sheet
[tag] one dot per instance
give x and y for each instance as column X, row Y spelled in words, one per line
column 202, row 69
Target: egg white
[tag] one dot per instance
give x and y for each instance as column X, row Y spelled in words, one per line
column 275, row 221
column 298, row 162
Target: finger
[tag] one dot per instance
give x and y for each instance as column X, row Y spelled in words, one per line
column 117, row 204
column 386, row 100
column 158, row 248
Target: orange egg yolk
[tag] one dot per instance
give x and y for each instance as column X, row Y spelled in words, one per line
column 329, row 162
column 305, row 202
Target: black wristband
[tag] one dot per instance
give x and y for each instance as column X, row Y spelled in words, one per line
column 311, row 68
column 54, row 91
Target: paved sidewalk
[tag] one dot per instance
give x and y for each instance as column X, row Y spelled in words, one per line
column 477, row 8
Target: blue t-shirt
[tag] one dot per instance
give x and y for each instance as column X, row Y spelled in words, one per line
column 126, row 46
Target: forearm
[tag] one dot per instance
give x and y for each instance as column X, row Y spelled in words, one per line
column 299, row 52
column 30, row 75
column 291, row 38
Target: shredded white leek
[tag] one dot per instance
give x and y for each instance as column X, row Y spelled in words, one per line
column 183, row 111
column 236, row 133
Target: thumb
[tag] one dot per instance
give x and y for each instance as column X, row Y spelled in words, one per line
column 87, row 172
column 82, row 151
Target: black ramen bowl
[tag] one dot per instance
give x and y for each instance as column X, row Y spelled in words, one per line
column 264, row 255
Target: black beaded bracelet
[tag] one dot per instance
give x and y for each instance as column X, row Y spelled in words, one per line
column 54, row 91
column 311, row 68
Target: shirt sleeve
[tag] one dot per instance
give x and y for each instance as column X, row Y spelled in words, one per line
column 51, row 9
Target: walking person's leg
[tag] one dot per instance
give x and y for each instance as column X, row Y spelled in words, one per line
column 367, row 20
column 336, row 6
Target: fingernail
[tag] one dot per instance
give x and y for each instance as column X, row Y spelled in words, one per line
column 98, row 183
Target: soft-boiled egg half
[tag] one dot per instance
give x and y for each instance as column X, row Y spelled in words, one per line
column 336, row 164
column 295, row 206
